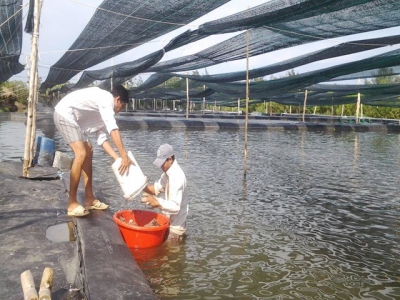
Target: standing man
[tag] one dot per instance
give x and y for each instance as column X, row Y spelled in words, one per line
column 173, row 184
column 90, row 110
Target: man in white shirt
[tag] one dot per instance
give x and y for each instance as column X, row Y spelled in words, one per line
column 172, row 183
column 85, row 111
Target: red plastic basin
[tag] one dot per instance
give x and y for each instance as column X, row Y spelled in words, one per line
column 138, row 237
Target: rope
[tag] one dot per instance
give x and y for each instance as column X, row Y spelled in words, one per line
column 129, row 16
column 13, row 15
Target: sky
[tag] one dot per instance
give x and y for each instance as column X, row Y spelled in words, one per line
column 63, row 20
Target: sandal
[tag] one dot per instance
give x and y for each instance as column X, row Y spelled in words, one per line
column 98, row 205
column 78, row 211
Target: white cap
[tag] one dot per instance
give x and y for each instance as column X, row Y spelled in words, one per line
column 163, row 152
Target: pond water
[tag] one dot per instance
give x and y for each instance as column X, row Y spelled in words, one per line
column 316, row 217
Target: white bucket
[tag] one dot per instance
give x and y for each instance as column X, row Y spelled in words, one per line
column 133, row 183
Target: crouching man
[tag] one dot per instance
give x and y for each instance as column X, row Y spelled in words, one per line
column 172, row 184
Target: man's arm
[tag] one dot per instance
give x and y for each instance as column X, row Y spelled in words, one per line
column 125, row 162
column 150, row 190
column 109, row 149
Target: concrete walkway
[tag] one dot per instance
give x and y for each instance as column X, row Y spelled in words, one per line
column 89, row 257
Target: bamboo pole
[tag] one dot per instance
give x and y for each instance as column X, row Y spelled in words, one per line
column 358, row 107
column 28, row 155
column 304, row 107
column 204, row 100
column 28, row 286
column 46, row 285
column 270, row 108
column 358, row 104
column 33, row 131
column 187, row 98
column 247, row 104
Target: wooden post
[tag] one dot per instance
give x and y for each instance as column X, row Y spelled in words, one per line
column 28, row 286
column 247, row 102
column 358, row 104
column 270, row 108
column 315, row 109
column 238, row 106
column 342, row 109
column 187, row 98
column 304, row 107
column 204, row 100
column 46, row 284
column 28, row 155
column 358, row 107
column 33, row 131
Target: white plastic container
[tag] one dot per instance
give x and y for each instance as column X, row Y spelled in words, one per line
column 133, row 183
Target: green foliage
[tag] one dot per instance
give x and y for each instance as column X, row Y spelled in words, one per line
column 383, row 76
column 13, row 96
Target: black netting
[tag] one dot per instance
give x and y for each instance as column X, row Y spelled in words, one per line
column 118, row 26
column 334, row 18
column 370, row 16
column 10, row 38
column 274, row 87
column 278, row 11
column 29, row 20
column 162, row 93
column 339, row 50
column 128, row 69
column 395, row 70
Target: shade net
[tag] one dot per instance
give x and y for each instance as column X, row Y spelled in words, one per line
column 290, row 90
column 118, row 26
column 274, row 87
column 370, row 16
column 395, row 70
column 335, row 19
column 10, row 38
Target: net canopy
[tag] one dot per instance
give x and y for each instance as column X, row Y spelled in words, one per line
column 10, row 38
column 270, row 88
column 331, row 52
column 118, row 26
column 295, row 24
column 290, row 90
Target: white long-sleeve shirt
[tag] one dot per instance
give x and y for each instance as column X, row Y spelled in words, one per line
column 176, row 203
column 92, row 109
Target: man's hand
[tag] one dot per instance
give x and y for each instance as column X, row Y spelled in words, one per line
column 125, row 163
column 150, row 200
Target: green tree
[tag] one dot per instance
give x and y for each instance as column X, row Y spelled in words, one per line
column 383, row 76
column 13, row 96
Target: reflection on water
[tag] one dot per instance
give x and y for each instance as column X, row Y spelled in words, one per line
column 63, row 232
column 317, row 216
